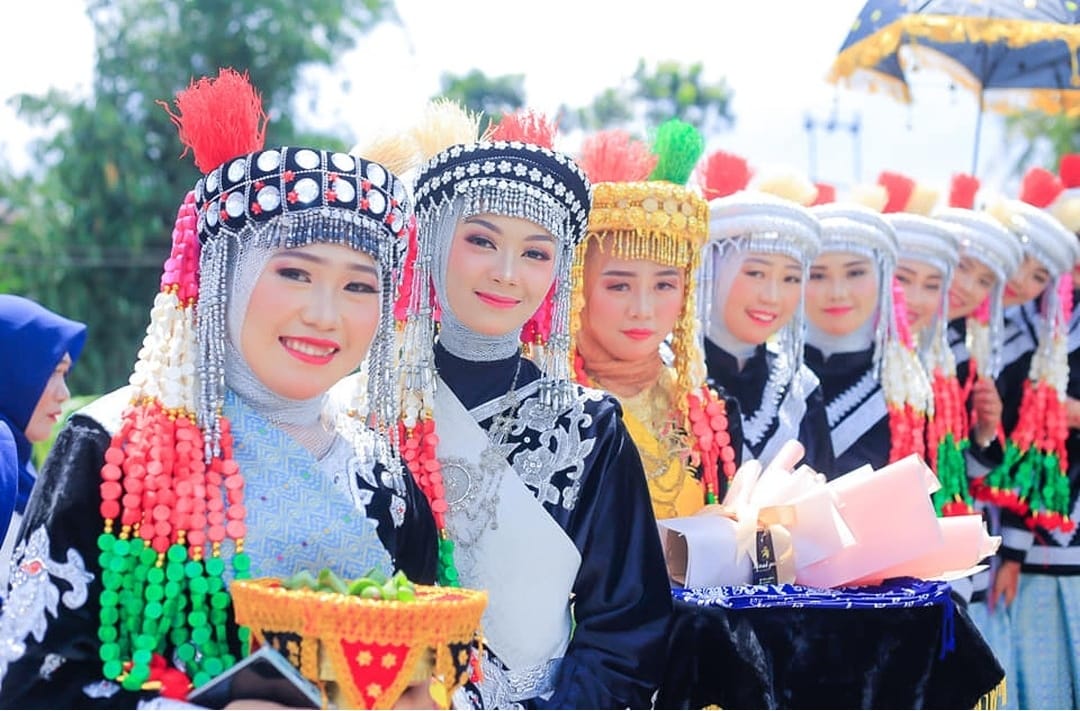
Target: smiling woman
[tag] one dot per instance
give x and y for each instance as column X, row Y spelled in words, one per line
column 636, row 301
column 876, row 394
column 765, row 293
column 533, row 479
column 503, row 268
column 756, row 265
column 842, row 295
column 222, row 459
column 313, row 312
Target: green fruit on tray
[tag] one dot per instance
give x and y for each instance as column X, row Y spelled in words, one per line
column 300, row 581
column 374, row 585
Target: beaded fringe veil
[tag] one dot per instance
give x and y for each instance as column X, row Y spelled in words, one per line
column 437, row 221
column 791, row 338
column 322, row 226
column 885, row 324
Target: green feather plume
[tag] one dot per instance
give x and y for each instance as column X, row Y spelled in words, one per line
column 678, row 146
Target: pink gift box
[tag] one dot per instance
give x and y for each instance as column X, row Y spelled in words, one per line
column 965, row 542
column 891, row 517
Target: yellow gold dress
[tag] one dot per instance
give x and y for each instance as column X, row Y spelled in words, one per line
column 657, row 430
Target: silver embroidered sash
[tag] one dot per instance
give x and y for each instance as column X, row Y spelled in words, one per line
column 505, row 543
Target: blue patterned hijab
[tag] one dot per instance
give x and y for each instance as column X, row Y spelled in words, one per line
column 32, row 342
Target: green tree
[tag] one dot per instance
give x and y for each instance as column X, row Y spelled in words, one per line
column 87, row 232
column 1060, row 132
column 476, row 91
column 655, row 94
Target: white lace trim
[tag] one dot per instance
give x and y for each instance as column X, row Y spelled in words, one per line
column 853, row 412
column 848, row 400
column 755, row 426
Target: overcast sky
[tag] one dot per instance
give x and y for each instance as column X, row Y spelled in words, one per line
column 774, row 55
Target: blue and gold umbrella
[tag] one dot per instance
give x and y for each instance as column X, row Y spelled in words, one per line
column 1014, row 55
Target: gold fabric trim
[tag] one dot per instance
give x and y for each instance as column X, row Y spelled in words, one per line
column 996, row 698
column 429, row 624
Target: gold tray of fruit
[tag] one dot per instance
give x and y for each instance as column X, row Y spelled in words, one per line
column 364, row 641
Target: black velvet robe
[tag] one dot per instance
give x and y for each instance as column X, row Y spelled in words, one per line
column 622, row 602
column 746, row 387
column 810, row 658
column 863, row 423
column 1021, row 338
column 59, row 670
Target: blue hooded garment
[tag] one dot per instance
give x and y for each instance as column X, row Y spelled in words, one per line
column 32, row 342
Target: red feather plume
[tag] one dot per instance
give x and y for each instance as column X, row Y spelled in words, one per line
column 526, row 126
column 1040, row 187
column 219, row 119
column 899, row 187
column 962, row 190
column 1069, row 170
column 825, row 194
column 723, row 174
column 614, row 156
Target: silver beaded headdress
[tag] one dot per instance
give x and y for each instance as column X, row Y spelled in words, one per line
column 849, row 227
column 284, row 197
column 1044, row 238
column 749, row 221
column 933, row 242
column 984, row 239
column 289, row 197
column 1041, row 235
column 510, row 178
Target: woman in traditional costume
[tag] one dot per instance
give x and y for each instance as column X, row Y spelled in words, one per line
column 755, row 267
column 927, row 259
column 967, row 408
column 1034, row 367
column 1033, row 484
column 536, row 485
column 635, row 283
column 221, row 460
column 876, row 393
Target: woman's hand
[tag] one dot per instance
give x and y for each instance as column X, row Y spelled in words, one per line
column 986, row 406
column 1005, row 584
column 1072, row 413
